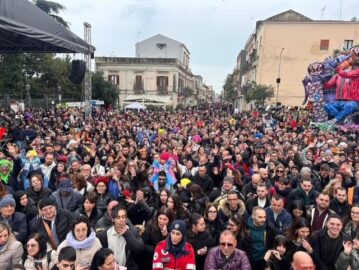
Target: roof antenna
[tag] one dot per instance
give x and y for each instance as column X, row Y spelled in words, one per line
column 322, row 12
column 340, row 11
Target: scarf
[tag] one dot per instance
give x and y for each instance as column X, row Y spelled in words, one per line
column 176, row 250
column 9, row 164
column 84, row 244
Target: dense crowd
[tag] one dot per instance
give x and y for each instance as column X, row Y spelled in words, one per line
column 201, row 188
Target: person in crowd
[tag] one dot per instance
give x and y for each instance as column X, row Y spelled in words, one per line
column 250, row 189
column 37, row 256
column 25, row 205
column 226, row 255
column 66, row 197
column 66, row 260
column 199, row 238
column 122, row 238
column 17, row 221
column 349, row 257
column 156, row 230
column 261, row 234
column 351, row 226
column 80, row 185
column 89, row 209
column 10, row 249
column 198, row 199
column 297, row 209
column 103, row 194
column 238, row 226
column 278, row 215
column 302, row 260
column 262, row 199
column 37, row 191
column 318, row 213
column 232, row 206
column 174, row 251
column 174, row 202
column 202, row 179
column 213, row 224
column 299, row 235
column 304, row 192
column 138, row 210
column 276, row 259
column 83, row 239
column 162, row 198
column 340, row 204
column 104, row 259
column 328, row 242
column 53, row 222
column 57, row 172
column 105, row 221
column 219, row 194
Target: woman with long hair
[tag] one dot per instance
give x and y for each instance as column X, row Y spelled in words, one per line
column 37, row 256
column 104, row 260
column 198, row 200
column 298, row 235
column 237, row 225
column 174, row 202
column 213, row 223
column 156, row 230
column 89, row 209
column 199, row 238
column 162, row 198
column 25, row 205
column 104, row 196
column 83, row 239
column 297, row 209
column 10, row 249
column 37, row 191
column 275, row 259
column 55, row 175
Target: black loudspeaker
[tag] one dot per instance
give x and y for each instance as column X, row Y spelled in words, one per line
column 78, row 71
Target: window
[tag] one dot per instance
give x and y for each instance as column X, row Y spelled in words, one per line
column 114, row 79
column 161, row 45
column 162, row 83
column 138, row 82
column 324, row 44
column 348, row 44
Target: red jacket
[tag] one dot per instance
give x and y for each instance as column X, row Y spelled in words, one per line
column 162, row 259
column 346, row 83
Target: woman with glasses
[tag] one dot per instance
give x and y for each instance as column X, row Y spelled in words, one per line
column 174, row 252
column 352, row 224
column 213, row 224
column 10, row 249
column 237, row 225
column 199, row 238
column 36, row 255
column 349, row 257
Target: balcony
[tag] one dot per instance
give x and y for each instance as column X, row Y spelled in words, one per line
column 162, row 90
column 138, row 89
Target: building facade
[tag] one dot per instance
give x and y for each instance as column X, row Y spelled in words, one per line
column 283, row 46
column 159, row 75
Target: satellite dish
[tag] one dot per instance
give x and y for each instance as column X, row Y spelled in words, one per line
column 354, row 19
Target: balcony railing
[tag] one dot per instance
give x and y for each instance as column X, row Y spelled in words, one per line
column 162, row 90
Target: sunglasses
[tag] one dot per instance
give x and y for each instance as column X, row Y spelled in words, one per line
column 227, row 244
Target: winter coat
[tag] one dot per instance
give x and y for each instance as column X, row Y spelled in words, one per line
column 163, row 259
column 48, row 261
column 71, row 202
column 283, row 221
column 37, row 196
column 62, row 225
column 198, row 241
column 30, row 210
column 215, row 228
column 224, row 212
column 18, row 225
column 104, row 223
column 344, row 260
column 103, row 200
column 206, row 183
column 341, row 209
column 216, row 260
column 93, row 218
column 85, row 250
column 299, row 194
column 198, row 205
column 10, row 253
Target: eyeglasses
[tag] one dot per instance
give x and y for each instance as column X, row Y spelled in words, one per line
column 31, row 245
column 280, row 171
column 227, row 244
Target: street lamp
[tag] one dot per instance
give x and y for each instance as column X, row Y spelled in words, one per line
column 28, row 96
column 278, row 78
column 59, row 92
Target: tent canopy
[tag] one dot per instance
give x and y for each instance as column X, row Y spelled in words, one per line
column 26, row 28
column 135, row 106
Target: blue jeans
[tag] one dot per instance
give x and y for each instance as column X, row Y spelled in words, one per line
column 341, row 109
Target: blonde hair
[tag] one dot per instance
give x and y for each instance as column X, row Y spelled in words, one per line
column 4, row 226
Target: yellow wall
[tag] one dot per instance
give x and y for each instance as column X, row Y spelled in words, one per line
column 301, row 43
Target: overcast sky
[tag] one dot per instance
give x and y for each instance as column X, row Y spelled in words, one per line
column 214, row 31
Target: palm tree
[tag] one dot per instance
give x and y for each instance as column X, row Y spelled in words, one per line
column 53, row 9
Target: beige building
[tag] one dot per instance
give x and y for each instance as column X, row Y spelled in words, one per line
column 284, row 45
column 159, row 75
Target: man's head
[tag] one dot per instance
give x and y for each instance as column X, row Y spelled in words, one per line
column 256, row 179
column 302, row 261
column 67, row 258
column 334, row 225
column 86, row 170
column 323, row 201
column 306, row 184
column 227, row 242
column 65, row 187
column 341, row 194
column 7, row 206
column 228, row 183
column 232, row 199
column 47, row 207
column 119, row 216
column 324, row 170
column 49, row 159
column 202, row 170
column 161, row 178
column 259, row 216
column 277, row 204
column 264, row 174
column 262, row 191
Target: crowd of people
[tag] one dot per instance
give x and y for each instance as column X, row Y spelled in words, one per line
column 201, row 188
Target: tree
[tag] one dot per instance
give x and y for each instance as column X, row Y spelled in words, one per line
column 103, row 90
column 228, row 87
column 53, row 9
column 259, row 94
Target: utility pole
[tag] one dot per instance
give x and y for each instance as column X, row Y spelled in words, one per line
column 278, row 78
